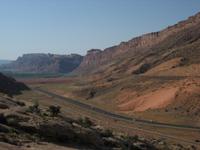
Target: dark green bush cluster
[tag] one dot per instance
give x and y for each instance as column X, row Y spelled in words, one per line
column 54, row 110
column 85, row 122
column 144, row 68
column 34, row 108
column 128, row 142
column 107, row 133
column 20, row 103
column 12, row 121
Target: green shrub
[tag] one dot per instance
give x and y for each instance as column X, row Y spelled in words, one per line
column 34, row 108
column 12, row 121
column 54, row 110
column 13, row 130
column 107, row 133
column 128, row 142
column 20, row 103
column 85, row 122
column 144, row 68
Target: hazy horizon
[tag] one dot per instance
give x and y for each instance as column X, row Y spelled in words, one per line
column 74, row 26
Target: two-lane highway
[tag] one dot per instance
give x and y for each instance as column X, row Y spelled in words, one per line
column 130, row 120
column 117, row 116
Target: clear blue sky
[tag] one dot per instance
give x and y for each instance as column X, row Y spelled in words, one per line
column 74, row 26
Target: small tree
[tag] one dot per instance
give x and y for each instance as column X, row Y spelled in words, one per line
column 107, row 133
column 34, row 108
column 92, row 93
column 54, row 110
column 85, row 122
column 129, row 140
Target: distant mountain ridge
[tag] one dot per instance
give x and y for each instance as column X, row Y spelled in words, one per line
column 44, row 63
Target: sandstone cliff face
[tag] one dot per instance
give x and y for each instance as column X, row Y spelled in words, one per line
column 96, row 58
column 44, row 63
column 92, row 56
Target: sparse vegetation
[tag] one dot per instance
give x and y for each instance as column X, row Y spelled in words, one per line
column 20, row 103
column 86, row 122
column 144, row 68
column 107, row 133
column 12, row 121
column 54, row 110
column 92, row 93
column 148, row 86
column 34, row 108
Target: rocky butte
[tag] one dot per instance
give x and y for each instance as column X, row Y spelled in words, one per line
column 44, row 63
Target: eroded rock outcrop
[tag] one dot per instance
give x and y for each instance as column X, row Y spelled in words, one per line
column 170, row 37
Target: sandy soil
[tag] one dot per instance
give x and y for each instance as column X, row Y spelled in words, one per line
column 191, row 70
column 185, row 92
column 165, row 66
column 158, row 99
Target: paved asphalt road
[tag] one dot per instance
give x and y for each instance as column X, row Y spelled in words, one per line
column 117, row 116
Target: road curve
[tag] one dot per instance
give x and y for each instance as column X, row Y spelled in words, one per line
column 117, row 116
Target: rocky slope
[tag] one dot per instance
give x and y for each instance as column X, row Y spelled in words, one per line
column 44, row 63
column 182, row 34
column 31, row 126
column 10, row 86
column 24, row 126
column 148, row 72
